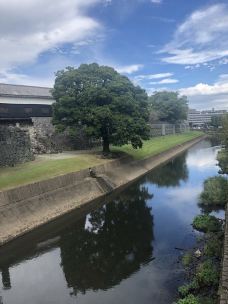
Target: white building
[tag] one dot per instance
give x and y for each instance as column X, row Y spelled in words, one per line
column 201, row 118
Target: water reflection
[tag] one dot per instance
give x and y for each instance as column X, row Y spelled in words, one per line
column 123, row 251
column 109, row 244
column 171, row 174
column 6, row 282
column 204, row 158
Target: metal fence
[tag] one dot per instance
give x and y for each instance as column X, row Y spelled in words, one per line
column 162, row 129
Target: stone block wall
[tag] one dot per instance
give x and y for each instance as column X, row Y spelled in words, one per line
column 45, row 139
column 15, row 146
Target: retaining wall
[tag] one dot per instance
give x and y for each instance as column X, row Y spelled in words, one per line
column 27, row 207
column 15, row 146
column 224, row 275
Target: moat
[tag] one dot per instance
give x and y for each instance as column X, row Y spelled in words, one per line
column 124, row 251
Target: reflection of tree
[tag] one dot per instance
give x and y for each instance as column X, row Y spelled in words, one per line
column 171, row 174
column 207, row 209
column 110, row 244
column 6, row 282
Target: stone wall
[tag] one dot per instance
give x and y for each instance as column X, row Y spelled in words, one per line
column 15, row 146
column 45, row 139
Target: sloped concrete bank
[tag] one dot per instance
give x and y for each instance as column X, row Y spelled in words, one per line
column 25, row 208
column 223, row 291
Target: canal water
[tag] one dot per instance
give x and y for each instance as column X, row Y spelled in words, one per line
column 124, row 251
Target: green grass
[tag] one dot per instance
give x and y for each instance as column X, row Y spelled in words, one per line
column 43, row 169
column 157, row 145
column 46, row 168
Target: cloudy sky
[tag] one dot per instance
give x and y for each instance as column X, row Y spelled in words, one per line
column 159, row 44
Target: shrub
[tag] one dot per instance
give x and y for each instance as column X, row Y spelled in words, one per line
column 207, row 274
column 213, row 246
column 205, row 300
column 207, row 223
column 186, row 289
column 223, row 161
column 190, row 299
column 215, row 191
column 187, row 259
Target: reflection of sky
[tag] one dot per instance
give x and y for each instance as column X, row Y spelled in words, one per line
column 41, row 280
column 203, row 159
column 174, row 207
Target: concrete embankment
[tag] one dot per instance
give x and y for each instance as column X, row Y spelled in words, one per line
column 24, row 208
column 224, row 275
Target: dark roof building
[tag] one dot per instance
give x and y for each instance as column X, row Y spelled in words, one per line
column 22, row 91
column 24, row 102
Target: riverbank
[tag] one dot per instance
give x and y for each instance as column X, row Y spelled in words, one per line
column 52, row 165
column 24, row 208
column 224, row 275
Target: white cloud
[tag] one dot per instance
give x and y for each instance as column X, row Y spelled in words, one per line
column 156, row 1
column 165, row 81
column 204, row 96
column 17, row 78
column 203, row 37
column 40, row 25
column 153, row 76
column 223, row 61
column 128, row 69
column 219, row 87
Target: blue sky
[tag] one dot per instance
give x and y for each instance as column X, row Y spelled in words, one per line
column 159, row 44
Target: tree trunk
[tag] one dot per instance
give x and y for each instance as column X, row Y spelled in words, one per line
column 106, row 149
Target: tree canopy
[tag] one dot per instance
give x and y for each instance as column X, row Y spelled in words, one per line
column 104, row 103
column 169, row 106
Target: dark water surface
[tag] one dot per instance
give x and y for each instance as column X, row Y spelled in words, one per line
column 122, row 252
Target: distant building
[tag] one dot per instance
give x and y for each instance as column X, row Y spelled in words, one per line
column 201, row 118
column 30, row 109
column 20, row 103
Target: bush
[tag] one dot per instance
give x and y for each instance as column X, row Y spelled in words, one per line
column 223, row 161
column 187, row 259
column 186, row 289
column 213, row 246
column 207, row 274
column 207, row 223
column 205, row 300
column 215, row 191
column 190, row 299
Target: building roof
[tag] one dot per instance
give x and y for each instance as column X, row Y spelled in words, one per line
column 23, row 91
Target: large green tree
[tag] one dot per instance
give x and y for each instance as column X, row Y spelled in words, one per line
column 104, row 103
column 169, row 106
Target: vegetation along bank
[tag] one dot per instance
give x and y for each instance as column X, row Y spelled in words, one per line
column 206, row 264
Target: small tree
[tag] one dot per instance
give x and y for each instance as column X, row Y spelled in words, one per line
column 104, row 103
column 169, row 106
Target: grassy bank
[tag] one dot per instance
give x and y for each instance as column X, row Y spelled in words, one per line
column 157, row 145
column 46, row 168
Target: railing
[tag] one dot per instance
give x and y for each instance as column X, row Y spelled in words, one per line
column 161, row 129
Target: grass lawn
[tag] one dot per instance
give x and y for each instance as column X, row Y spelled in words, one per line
column 157, row 145
column 45, row 168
